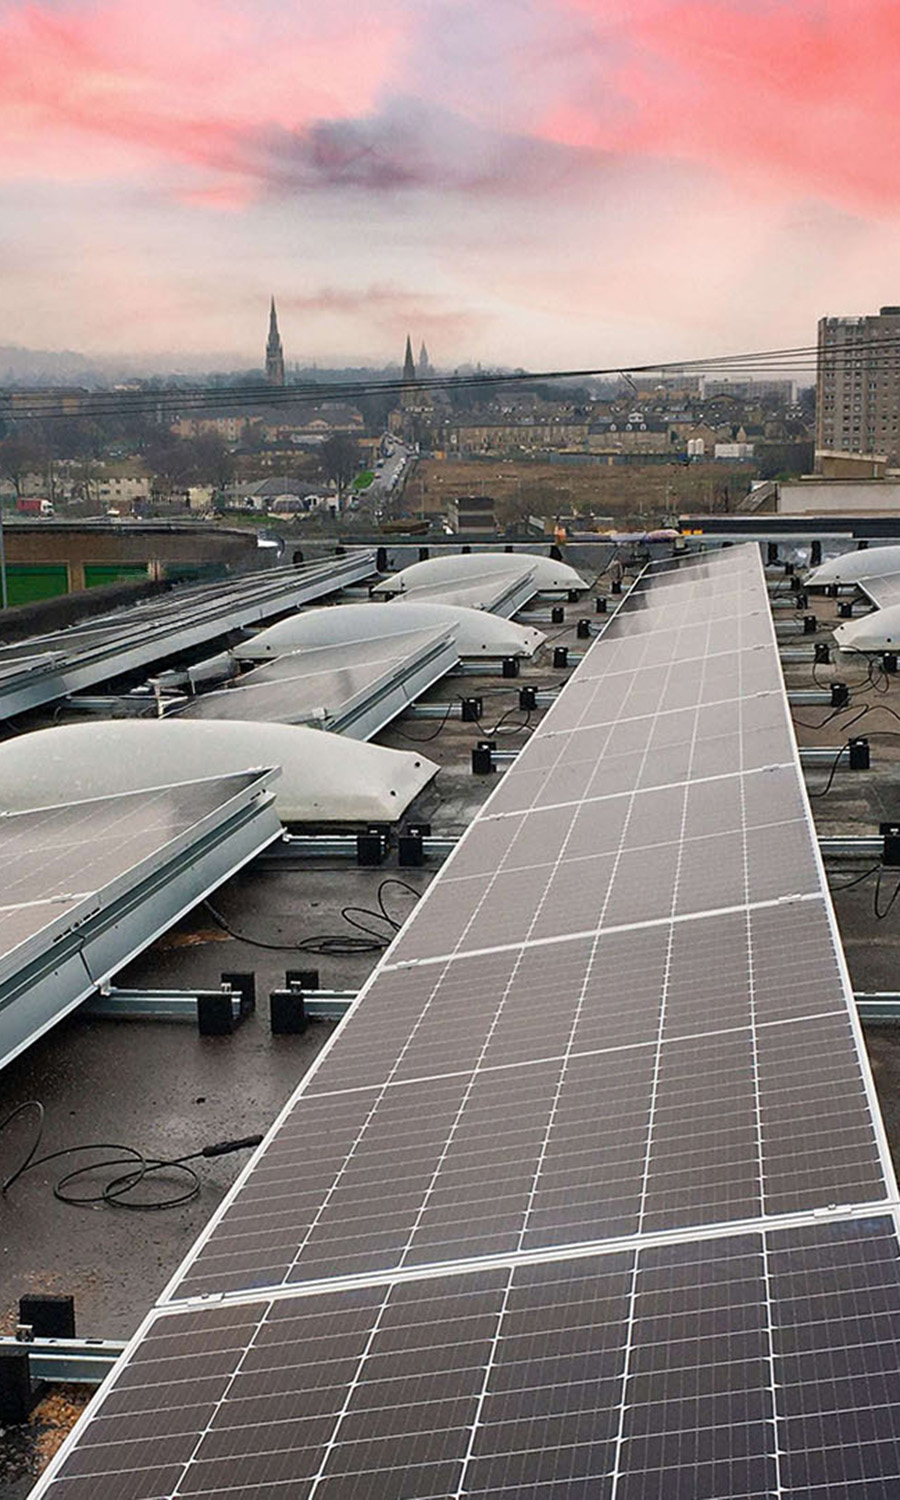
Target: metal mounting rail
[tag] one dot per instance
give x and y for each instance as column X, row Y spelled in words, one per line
column 881, row 1005
column 161, row 1005
column 795, row 656
column 814, row 698
column 856, row 756
column 72, row 1361
column 482, row 666
column 181, row 1005
column 293, row 846
column 785, row 628
column 455, row 710
column 870, row 846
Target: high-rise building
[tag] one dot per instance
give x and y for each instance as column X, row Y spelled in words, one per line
column 858, row 385
column 274, row 351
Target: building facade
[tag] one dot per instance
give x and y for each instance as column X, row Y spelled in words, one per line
column 858, row 385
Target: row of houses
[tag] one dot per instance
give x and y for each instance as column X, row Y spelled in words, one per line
column 611, row 436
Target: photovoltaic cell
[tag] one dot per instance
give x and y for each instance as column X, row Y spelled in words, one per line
column 882, row 591
column 320, row 683
column 55, row 860
column 583, row 1201
column 756, row 1365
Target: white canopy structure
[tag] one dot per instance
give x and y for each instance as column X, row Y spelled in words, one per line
column 457, row 570
column 476, row 632
column 878, row 631
column 854, row 567
column 324, row 777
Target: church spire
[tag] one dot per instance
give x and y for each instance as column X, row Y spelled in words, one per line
column 274, row 350
column 409, row 364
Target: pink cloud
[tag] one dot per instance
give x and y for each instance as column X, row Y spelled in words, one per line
column 120, row 84
column 387, row 309
column 804, row 92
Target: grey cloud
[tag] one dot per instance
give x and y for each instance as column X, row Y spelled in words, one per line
column 409, row 147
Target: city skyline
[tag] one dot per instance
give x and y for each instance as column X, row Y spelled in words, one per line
column 535, row 183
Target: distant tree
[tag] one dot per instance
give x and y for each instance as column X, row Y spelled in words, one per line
column 341, row 460
column 375, row 409
column 171, row 463
column 212, row 461
column 19, row 455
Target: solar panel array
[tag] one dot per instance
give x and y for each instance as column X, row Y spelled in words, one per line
column 589, row 1197
column 56, row 860
column 88, row 884
column 326, row 684
column 43, row 667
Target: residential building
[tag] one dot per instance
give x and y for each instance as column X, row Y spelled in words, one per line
column 474, row 515
column 858, row 388
column 516, row 437
column 228, row 427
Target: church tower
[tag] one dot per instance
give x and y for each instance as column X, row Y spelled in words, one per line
column 274, row 351
column 409, row 364
column 425, row 370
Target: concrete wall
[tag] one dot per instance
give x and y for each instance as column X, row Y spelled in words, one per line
column 839, row 497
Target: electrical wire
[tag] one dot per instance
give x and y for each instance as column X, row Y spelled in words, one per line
column 877, row 353
column 848, row 885
column 879, row 913
column 333, row 944
column 498, row 728
column 832, row 773
column 117, row 1191
column 835, row 714
column 425, row 739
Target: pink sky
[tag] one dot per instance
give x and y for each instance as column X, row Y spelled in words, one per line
column 534, row 181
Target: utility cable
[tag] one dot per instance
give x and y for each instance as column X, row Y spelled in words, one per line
column 880, row 913
column 194, row 398
column 118, row 1190
column 331, row 944
column 832, row 773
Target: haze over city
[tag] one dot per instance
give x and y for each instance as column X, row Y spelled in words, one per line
column 535, row 182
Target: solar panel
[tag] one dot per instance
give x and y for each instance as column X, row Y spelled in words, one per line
column 589, row 1195
column 882, row 591
column 87, row 885
column 502, row 593
column 45, row 667
column 759, row 1364
column 354, row 687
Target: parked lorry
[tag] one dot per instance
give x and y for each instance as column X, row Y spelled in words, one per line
column 29, row 507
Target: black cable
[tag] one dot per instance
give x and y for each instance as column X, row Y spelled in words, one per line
column 116, row 1191
column 858, row 880
column 522, row 728
column 402, row 885
column 836, row 713
column 333, row 944
column 876, row 678
column 879, row 914
column 425, row 739
column 209, row 397
column 832, row 773
column 20, row 1109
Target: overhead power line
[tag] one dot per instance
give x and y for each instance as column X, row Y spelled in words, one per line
column 874, row 355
